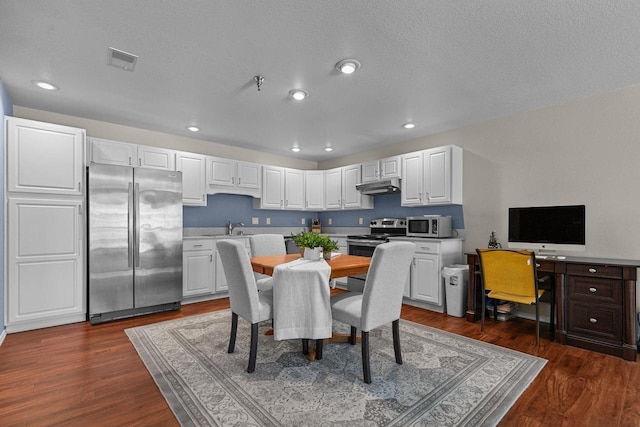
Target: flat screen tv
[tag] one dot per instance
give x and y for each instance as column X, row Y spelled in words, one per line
column 548, row 229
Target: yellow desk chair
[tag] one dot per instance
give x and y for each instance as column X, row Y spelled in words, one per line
column 512, row 276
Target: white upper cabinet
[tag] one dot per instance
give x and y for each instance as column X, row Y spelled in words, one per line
column 432, row 176
column 340, row 189
column 193, row 168
column 314, row 190
column 156, row 158
column 112, row 152
column 124, row 154
column 233, row 177
column 45, row 158
column 282, row 188
column 381, row 169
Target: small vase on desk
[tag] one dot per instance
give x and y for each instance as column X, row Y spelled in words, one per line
column 312, row 253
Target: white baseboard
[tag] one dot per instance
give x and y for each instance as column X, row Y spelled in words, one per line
column 3, row 335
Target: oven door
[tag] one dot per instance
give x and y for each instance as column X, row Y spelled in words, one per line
column 361, row 248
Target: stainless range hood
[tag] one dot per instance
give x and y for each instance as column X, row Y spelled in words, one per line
column 385, row 186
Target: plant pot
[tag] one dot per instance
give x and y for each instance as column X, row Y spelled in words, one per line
column 313, row 254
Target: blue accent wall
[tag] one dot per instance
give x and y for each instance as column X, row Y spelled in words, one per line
column 229, row 207
column 6, row 109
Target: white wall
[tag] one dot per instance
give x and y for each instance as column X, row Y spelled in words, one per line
column 115, row 132
column 583, row 152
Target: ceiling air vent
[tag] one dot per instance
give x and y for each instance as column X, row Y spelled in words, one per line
column 122, row 59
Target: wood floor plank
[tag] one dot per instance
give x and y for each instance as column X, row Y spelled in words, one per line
column 79, row 375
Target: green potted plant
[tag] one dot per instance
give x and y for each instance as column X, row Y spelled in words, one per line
column 310, row 243
column 328, row 246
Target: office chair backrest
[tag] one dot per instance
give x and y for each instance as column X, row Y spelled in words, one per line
column 505, row 270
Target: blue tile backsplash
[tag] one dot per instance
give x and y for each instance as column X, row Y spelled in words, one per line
column 223, row 207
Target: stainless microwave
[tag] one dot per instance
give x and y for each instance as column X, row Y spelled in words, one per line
column 429, row 226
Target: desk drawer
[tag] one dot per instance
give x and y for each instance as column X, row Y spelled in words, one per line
column 595, row 290
column 545, row 266
column 197, row 245
column 595, row 270
column 597, row 322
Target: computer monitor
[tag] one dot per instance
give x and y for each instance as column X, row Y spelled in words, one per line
column 548, row 229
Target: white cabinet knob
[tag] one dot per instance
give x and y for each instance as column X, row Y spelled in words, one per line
column 593, row 320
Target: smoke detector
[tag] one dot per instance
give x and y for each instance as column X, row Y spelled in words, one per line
column 121, row 59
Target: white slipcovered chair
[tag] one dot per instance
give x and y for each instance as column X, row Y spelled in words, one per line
column 246, row 301
column 381, row 301
column 264, row 245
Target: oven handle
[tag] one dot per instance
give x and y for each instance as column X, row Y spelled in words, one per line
column 358, row 242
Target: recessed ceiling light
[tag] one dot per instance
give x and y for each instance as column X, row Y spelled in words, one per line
column 298, row 94
column 295, row 149
column 44, row 85
column 408, row 125
column 328, row 149
column 193, row 128
column 348, row 66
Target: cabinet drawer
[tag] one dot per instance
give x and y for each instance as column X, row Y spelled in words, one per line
column 545, row 266
column 595, row 270
column 427, row 248
column 595, row 321
column 197, row 245
column 594, row 289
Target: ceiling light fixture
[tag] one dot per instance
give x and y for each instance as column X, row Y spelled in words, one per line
column 348, row 66
column 409, row 125
column 295, row 148
column 44, row 85
column 193, row 128
column 328, row 148
column 298, row 94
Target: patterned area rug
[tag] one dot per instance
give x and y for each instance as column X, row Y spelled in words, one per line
column 446, row 379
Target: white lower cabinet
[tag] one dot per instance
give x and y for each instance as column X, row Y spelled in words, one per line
column 45, row 280
column 198, row 267
column 221, row 280
column 425, row 287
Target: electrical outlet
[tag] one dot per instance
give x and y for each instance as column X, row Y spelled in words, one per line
column 268, row 221
column 255, row 221
column 329, row 221
column 302, row 221
column 360, row 221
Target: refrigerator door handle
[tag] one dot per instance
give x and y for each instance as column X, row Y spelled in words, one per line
column 136, row 225
column 130, row 224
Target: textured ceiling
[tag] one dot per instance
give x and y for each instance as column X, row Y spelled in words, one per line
column 440, row 64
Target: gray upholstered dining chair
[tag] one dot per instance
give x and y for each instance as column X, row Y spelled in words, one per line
column 246, row 301
column 381, row 301
column 264, row 245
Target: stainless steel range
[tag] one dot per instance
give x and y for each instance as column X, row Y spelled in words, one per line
column 363, row 245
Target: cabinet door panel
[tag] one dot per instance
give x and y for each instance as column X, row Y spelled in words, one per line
column 411, row 183
column 198, row 273
column 437, row 167
column 156, row 158
column 425, row 285
column 221, row 279
column 390, row 167
column 351, row 177
column 314, row 189
column 294, row 189
column 221, row 172
column 370, row 171
column 112, row 152
column 249, row 175
column 193, row 168
column 333, row 188
column 44, row 158
column 273, row 188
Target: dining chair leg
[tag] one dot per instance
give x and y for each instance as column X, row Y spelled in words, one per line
column 234, row 329
column 319, row 344
column 352, row 337
column 552, row 326
column 366, row 369
column 254, row 348
column 396, row 340
column 305, row 346
column 484, row 307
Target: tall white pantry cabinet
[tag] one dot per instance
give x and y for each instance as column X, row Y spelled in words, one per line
column 44, row 224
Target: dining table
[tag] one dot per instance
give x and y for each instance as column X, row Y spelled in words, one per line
column 342, row 265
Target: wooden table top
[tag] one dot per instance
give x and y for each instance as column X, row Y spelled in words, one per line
column 341, row 266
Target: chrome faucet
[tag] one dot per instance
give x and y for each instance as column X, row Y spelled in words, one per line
column 232, row 225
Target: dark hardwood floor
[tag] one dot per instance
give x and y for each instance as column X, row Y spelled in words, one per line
column 81, row 375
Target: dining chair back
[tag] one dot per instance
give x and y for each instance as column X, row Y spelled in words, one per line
column 381, row 301
column 264, row 245
column 245, row 300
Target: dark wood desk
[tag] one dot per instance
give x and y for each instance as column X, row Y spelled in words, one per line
column 341, row 266
column 595, row 300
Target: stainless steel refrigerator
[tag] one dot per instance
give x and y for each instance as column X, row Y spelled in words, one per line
column 135, row 241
